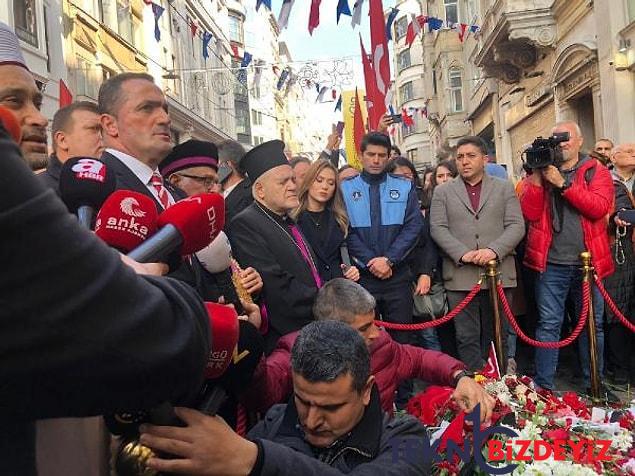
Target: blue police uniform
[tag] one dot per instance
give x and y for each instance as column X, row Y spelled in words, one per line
column 385, row 220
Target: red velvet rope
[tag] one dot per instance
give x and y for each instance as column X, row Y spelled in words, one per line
column 629, row 325
column 436, row 322
column 586, row 296
column 241, row 420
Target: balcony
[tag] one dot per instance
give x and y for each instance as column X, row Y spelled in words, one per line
column 512, row 35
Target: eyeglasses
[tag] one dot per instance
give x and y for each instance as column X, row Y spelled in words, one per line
column 207, row 182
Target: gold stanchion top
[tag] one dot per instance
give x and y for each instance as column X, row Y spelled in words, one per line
column 585, row 256
column 492, row 268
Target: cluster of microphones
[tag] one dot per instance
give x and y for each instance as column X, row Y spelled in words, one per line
column 128, row 221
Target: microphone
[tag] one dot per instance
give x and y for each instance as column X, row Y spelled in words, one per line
column 10, row 123
column 126, row 219
column 216, row 257
column 85, row 183
column 188, row 226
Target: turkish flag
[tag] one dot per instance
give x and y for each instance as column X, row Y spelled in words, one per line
column 491, row 369
column 374, row 97
column 66, row 97
column 379, row 57
column 359, row 129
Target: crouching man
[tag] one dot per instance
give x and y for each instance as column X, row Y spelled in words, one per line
column 333, row 425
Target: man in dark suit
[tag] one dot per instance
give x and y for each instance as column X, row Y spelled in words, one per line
column 76, row 132
column 265, row 237
column 236, row 188
column 136, row 131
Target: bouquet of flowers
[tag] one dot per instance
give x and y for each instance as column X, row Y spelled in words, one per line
column 556, row 435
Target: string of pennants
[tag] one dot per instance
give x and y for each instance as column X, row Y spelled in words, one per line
column 418, row 22
column 285, row 76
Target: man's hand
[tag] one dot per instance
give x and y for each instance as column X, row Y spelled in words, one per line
column 252, row 313
column 149, row 269
column 384, row 122
column 206, row 446
column 350, row 272
column 251, row 280
column 552, row 175
column 379, row 267
column 468, row 257
column 333, row 140
column 483, row 256
column 423, row 285
column 468, row 393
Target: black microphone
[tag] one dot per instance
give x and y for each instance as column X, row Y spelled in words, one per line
column 85, row 183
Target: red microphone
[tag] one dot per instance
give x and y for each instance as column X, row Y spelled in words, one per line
column 223, row 322
column 10, row 123
column 126, row 219
column 188, row 226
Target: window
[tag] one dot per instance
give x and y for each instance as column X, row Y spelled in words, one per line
column 405, row 92
column 258, row 140
column 410, row 129
column 256, row 118
column 401, row 28
column 412, row 155
column 24, row 18
column 455, row 83
column 236, row 28
column 106, row 73
column 434, row 81
column 451, row 11
column 472, row 10
column 124, row 20
column 84, row 77
column 242, row 118
column 403, row 60
column 631, row 10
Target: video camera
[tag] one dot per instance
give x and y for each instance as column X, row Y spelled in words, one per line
column 545, row 151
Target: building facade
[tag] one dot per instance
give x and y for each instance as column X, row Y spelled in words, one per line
column 37, row 25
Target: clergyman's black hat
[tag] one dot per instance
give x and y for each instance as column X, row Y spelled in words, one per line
column 263, row 158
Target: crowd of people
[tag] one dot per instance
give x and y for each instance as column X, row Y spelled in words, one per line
column 312, row 257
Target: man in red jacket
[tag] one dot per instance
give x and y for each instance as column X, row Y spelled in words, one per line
column 391, row 363
column 567, row 207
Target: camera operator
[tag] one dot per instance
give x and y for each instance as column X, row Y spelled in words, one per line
column 566, row 203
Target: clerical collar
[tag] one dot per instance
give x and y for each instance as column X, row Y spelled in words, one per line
column 281, row 219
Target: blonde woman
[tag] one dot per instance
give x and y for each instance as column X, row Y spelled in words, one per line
column 322, row 218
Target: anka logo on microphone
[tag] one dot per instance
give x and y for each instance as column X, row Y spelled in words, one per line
column 130, row 206
column 90, row 169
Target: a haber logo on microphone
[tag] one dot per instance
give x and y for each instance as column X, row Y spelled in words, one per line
column 130, row 206
column 90, row 169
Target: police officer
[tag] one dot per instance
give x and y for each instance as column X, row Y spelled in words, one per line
column 385, row 224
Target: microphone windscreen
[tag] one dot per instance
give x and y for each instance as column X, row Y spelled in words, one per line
column 223, row 322
column 85, row 181
column 10, row 123
column 216, row 256
column 126, row 219
column 199, row 219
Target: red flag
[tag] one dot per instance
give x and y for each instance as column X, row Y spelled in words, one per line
column 374, row 97
column 462, row 28
column 454, row 432
column 235, row 50
column 193, row 28
column 359, row 129
column 314, row 15
column 407, row 119
column 491, row 369
column 379, row 58
column 66, row 97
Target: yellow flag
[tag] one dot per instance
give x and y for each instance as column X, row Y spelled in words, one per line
column 348, row 111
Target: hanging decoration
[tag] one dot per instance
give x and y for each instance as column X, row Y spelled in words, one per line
column 267, row 3
column 389, row 21
column 357, row 13
column 207, row 36
column 338, row 105
column 342, row 9
column 314, row 15
column 157, row 11
column 285, row 11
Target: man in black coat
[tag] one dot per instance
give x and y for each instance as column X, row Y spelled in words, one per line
column 236, row 187
column 265, row 237
column 76, row 132
column 83, row 334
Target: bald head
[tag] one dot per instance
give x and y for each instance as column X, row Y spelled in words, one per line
column 276, row 189
column 571, row 148
column 623, row 158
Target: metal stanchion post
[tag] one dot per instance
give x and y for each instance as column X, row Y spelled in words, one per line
column 492, row 281
column 587, row 269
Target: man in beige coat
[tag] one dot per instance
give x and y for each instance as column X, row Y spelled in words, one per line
column 475, row 218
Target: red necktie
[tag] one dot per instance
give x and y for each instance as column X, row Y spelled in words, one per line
column 157, row 182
